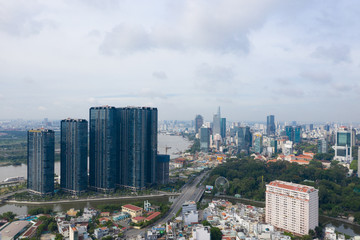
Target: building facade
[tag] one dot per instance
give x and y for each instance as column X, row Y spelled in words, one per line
column 162, row 168
column 217, row 123
column 40, row 161
column 243, row 139
column 199, row 121
column 270, row 125
column 138, row 146
column 322, row 145
column 258, row 143
column 343, row 145
column 73, row 155
column 223, row 128
column 204, row 139
column 292, row 207
column 103, row 154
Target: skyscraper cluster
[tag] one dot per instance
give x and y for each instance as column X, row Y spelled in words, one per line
column 122, row 152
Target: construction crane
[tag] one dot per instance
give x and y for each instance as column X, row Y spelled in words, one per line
column 166, row 148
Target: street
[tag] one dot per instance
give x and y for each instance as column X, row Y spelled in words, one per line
column 190, row 192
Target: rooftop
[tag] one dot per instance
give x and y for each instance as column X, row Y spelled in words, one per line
column 132, row 207
column 13, row 229
column 292, row 186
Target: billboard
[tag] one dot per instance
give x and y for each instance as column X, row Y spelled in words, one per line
column 209, row 188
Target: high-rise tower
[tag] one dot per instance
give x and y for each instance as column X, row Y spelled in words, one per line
column 199, row 120
column 217, row 123
column 138, row 146
column 270, row 125
column 104, row 160
column 73, row 155
column 40, row 161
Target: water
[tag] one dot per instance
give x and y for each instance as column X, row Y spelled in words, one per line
column 176, row 143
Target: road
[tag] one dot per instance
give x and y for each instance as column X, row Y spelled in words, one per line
column 190, row 192
column 3, row 197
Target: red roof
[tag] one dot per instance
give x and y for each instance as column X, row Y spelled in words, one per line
column 152, row 216
column 291, row 186
column 138, row 218
column 132, row 207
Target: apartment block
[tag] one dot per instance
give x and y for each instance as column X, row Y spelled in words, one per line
column 292, row 207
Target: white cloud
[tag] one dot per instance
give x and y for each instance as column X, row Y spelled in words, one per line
column 334, row 53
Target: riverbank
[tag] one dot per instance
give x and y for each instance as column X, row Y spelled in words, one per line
column 92, row 199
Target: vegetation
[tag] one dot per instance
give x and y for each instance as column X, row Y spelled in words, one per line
column 325, row 156
column 338, row 194
column 215, row 233
column 9, row 216
column 36, row 211
column 48, row 224
column 305, row 146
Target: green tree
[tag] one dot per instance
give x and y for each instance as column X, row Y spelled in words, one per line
column 8, row 216
column 52, row 227
column 59, row 236
column 215, row 233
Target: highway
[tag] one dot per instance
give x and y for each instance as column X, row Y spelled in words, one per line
column 190, row 192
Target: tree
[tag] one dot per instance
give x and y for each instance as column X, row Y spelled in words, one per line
column 215, row 233
column 52, row 227
column 59, row 236
column 8, row 216
column 206, row 223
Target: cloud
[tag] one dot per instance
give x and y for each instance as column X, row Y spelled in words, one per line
column 125, row 39
column 335, row 53
column 344, row 87
column 160, row 75
column 215, row 74
column 20, row 18
column 316, row 77
column 42, row 108
column 283, row 81
column 194, row 27
column 290, row 92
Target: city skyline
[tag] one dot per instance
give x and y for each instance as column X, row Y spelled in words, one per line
column 297, row 59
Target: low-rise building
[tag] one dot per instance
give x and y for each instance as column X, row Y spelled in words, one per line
column 14, row 230
column 132, row 210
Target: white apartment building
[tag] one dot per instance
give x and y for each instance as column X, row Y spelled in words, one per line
column 292, row 207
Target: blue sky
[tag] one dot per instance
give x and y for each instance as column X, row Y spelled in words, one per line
column 298, row 60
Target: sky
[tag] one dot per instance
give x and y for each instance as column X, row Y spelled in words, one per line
column 297, row 60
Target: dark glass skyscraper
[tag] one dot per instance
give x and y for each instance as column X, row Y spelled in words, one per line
column 244, row 139
column 74, row 151
column 293, row 133
column 204, row 139
column 270, row 125
column 138, row 146
column 223, row 128
column 40, row 161
column 104, row 160
column 289, row 131
column 198, row 123
column 162, row 168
